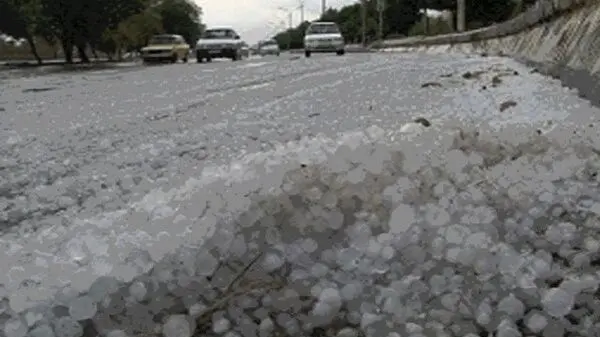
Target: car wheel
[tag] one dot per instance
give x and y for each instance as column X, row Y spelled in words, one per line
column 341, row 52
column 277, row 54
column 174, row 58
column 208, row 59
column 185, row 59
column 307, row 53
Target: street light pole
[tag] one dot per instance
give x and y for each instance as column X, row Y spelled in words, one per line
column 323, row 6
column 380, row 9
column 460, row 15
column 364, row 22
column 301, row 11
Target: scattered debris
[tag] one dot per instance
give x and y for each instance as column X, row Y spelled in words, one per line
column 314, row 115
column 484, row 87
column 431, row 84
column 39, row 89
column 538, row 131
column 423, row 121
column 370, row 107
column 496, row 81
column 446, row 75
column 471, row 75
column 516, row 73
column 506, row 105
column 534, row 71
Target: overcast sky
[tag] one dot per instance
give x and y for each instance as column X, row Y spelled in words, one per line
column 257, row 19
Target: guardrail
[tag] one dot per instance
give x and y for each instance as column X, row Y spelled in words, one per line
column 542, row 11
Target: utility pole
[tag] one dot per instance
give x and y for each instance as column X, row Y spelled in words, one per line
column 301, row 11
column 460, row 15
column 364, row 22
column 380, row 9
column 323, row 6
column 290, row 20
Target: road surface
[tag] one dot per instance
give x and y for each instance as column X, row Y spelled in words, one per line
column 82, row 146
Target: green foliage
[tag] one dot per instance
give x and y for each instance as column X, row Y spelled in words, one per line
column 432, row 26
column 399, row 16
column 111, row 26
column 402, row 18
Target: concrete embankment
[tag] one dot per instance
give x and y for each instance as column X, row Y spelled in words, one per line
column 560, row 37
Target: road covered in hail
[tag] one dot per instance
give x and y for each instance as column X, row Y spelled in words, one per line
column 287, row 196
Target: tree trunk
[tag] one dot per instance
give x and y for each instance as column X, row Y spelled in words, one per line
column 94, row 53
column 82, row 55
column 67, row 46
column 33, row 48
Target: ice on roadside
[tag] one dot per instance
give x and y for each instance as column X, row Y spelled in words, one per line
column 455, row 234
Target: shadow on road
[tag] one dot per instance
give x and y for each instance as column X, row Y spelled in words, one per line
column 30, row 69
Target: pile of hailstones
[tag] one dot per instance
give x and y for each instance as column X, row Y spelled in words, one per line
column 482, row 241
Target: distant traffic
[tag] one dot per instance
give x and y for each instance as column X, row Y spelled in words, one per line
column 225, row 42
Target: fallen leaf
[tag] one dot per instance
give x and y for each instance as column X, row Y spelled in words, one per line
column 430, row 84
column 507, row 104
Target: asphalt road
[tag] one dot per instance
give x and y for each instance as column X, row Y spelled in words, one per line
column 77, row 144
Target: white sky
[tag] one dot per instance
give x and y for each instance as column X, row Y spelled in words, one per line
column 255, row 20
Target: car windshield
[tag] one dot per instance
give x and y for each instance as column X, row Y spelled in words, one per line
column 323, row 29
column 163, row 39
column 218, row 34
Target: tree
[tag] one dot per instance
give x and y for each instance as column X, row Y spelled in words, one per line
column 77, row 23
column 19, row 18
column 181, row 17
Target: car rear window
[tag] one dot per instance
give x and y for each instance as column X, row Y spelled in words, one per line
column 218, row 34
column 322, row 29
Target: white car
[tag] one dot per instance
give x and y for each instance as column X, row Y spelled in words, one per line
column 323, row 37
column 219, row 43
column 269, row 47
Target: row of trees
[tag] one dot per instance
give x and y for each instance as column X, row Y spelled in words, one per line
column 401, row 16
column 108, row 26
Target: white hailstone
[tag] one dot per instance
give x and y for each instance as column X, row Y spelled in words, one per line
column 206, row 264
column 347, row 332
column 450, row 301
column 536, row 322
column 15, row 328
column 196, row 310
column 178, row 326
column 32, row 318
column 221, row 325
column 512, row 306
column 506, row 328
column 483, row 314
column 558, row 302
column 67, row 327
column 351, row 291
column 388, row 252
column 272, row 262
column 591, row 245
column 402, row 219
column 309, row 245
column 117, row 333
column 41, row 331
column 138, row 291
column 82, row 308
column 368, row 319
column 266, row 325
column 319, row 270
